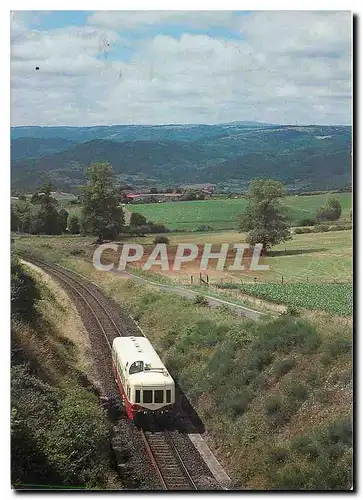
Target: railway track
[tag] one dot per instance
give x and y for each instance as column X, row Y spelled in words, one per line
column 172, row 472
column 164, row 456
column 99, row 312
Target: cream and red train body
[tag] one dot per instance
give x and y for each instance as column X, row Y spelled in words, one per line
column 145, row 384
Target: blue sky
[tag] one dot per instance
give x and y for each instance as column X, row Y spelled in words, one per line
column 108, row 67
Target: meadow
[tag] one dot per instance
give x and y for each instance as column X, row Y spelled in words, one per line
column 221, row 214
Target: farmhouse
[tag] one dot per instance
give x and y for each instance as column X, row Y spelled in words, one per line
column 205, row 188
column 159, row 197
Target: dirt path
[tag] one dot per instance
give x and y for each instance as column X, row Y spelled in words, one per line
column 191, row 294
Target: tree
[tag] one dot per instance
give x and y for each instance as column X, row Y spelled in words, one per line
column 21, row 217
column 101, row 214
column 332, row 210
column 265, row 218
column 73, row 224
column 35, row 199
column 47, row 219
column 137, row 219
column 63, row 219
column 188, row 196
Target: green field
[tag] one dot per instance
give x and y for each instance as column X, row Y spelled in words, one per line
column 224, row 213
column 333, row 298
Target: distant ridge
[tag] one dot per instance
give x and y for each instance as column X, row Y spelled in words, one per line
column 303, row 157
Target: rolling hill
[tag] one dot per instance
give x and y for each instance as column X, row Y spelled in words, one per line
column 304, row 158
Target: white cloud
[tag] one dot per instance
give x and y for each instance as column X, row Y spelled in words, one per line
column 288, row 67
column 138, row 20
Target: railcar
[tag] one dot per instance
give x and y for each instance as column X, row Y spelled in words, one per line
column 145, row 384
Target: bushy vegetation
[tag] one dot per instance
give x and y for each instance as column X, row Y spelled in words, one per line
column 41, row 216
column 59, row 434
column 161, row 239
column 332, row 210
column 24, row 292
column 258, row 388
column 59, row 437
column 323, row 228
column 73, row 224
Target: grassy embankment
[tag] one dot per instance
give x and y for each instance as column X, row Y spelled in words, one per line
column 275, row 396
column 60, row 435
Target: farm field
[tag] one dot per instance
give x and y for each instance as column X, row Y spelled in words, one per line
column 333, row 298
column 224, row 213
column 312, row 257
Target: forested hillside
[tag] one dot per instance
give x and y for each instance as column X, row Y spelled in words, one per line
column 303, row 158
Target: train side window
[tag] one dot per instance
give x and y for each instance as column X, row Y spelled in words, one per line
column 147, row 396
column 168, row 396
column 128, row 392
column 158, row 396
column 137, row 396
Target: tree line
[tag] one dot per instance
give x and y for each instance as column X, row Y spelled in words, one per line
column 101, row 214
column 265, row 219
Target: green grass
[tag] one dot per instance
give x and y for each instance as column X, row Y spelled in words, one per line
column 329, row 297
column 224, row 213
column 308, row 258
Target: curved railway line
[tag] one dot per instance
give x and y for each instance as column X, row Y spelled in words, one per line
column 169, row 466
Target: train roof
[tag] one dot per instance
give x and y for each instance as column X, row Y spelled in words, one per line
column 130, row 349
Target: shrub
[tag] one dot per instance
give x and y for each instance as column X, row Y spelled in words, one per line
column 302, row 230
column 307, row 222
column 161, row 239
column 81, row 433
column 340, row 227
column 137, row 219
column 330, row 211
column 295, row 390
column 320, row 228
column 292, row 311
column 24, row 292
column 235, row 403
column 259, row 359
column 334, row 347
column 77, row 251
column 201, row 300
column 283, row 366
column 73, row 224
column 277, row 456
column 285, row 333
column 273, row 404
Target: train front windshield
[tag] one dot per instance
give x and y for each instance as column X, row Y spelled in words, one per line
column 149, row 396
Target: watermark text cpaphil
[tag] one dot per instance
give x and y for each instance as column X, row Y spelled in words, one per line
column 185, row 252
